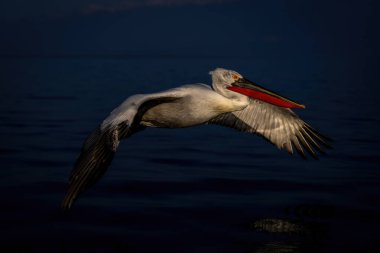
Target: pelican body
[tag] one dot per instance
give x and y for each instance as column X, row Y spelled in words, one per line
column 232, row 101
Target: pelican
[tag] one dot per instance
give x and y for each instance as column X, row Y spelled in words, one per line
column 232, row 101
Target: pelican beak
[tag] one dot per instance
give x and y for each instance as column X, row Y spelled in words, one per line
column 255, row 91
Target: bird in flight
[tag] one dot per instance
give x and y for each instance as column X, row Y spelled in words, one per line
column 232, row 101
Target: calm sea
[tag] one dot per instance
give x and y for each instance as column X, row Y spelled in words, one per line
column 201, row 189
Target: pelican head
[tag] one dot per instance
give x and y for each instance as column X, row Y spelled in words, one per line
column 224, row 77
column 231, row 84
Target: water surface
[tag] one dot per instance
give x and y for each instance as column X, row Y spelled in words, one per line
column 202, row 189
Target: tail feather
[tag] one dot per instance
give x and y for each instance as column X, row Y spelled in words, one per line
column 97, row 153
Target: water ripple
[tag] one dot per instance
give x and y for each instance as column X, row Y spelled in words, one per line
column 213, row 185
column 51, row 97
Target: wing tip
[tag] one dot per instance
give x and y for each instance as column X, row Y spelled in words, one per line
column 71, row 195
column 310, row 141
column 316, row 139
column 68, row 201
column 66, row 205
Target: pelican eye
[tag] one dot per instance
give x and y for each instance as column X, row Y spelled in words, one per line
column 235, row 77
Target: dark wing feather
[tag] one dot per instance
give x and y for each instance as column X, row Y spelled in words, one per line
column 280, row 126
column 99, row 149
column 96, row 156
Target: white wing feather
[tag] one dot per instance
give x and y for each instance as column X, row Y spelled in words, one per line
column 281, row 126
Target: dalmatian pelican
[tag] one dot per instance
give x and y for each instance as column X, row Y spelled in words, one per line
column 232, row 101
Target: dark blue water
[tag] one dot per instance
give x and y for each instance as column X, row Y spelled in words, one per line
column 202, row 189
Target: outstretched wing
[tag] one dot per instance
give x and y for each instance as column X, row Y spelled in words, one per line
column 281, row 126
column 100, row 146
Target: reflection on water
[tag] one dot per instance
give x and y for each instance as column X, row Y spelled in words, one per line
column 300, row 235
column 305, row 232
column 278, row 226
column 202, row 189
